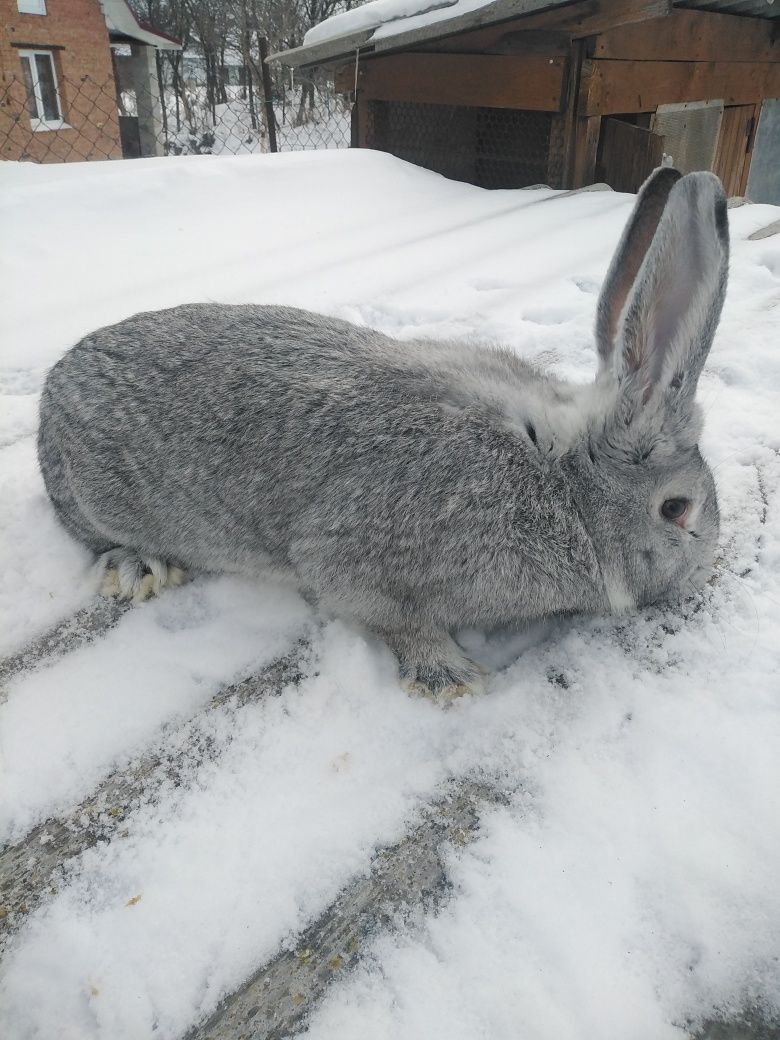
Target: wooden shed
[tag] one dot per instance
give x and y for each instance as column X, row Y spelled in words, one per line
column 567, row 93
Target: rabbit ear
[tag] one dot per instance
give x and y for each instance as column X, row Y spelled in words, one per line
column 668, row 322
column 630, row 253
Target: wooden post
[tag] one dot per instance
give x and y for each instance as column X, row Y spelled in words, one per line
column 570, row 112
column 560, row 157
column 270, row 118
column 143, row 68
column 365, row 133
column 586, row 149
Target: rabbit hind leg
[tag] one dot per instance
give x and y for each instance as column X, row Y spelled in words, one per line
column 126, row 573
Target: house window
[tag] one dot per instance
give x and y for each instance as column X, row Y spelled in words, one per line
column 31, row 6
column 43, row 96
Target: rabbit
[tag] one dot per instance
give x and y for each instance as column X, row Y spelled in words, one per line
column 416, row 487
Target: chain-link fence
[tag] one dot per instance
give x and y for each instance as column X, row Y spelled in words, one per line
column 49, row 118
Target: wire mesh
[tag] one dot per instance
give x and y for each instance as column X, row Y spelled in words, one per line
column 117, row 118
column 489, row 147
column 85, row 119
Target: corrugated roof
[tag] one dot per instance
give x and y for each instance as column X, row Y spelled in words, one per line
column 446, row 23
column 750, row 8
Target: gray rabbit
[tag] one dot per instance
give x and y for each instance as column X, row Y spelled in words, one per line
column 417, row 487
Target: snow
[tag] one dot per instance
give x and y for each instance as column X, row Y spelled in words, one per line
column 389, row 17
column 629, row 883
column 163, row 663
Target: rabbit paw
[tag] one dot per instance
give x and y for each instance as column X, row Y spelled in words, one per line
column 443, row 694
column 438, row 671
column 127, row 575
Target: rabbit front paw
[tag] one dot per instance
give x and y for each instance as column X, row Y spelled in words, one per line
column 434, row 666
column 440, row 688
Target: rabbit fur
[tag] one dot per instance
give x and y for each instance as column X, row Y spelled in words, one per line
column 417, row 487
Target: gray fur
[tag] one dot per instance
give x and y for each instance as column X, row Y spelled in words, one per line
column 416, row 487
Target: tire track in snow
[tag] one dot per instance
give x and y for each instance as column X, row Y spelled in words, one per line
column 28, row 868
column 80, row 629
column 753, row 1025
column 238, row 889
column 275, row 1001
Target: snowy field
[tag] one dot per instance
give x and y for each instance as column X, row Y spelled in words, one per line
column 625, row 886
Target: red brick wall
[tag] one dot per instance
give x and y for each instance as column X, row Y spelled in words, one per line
column 85, row 76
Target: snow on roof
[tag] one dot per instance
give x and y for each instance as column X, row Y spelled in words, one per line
column 375, row 14
column 388, row 17
column 122, row 22
column 383, row 23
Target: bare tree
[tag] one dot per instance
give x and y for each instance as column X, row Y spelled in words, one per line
column 213, row 31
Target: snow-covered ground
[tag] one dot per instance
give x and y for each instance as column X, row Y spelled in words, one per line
column 629, row 884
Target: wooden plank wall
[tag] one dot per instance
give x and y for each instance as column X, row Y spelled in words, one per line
column 685, row 56
column 735, row 145
column 629, row 154
column 692, row 36
column 533, row 82
column 615, row 86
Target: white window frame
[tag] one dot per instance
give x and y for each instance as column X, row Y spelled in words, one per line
column 41, row 123
column 31, row 6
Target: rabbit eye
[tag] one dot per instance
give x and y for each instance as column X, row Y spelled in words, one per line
column 674, row 508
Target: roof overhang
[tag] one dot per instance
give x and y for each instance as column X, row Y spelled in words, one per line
column 123, row 26
column 344, row 47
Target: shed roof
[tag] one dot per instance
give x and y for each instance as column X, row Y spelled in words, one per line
column 385, row 25
column 124, row 25
column 751, row 8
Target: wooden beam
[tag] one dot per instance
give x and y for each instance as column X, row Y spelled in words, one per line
column 563, row 132
column 586, row 150
column 641, row 86
column 693, row 36
column 505, row 38
column 344, row 78
column 532, row 41
column 575, row 21
column 596, row 16
column 363, row 119
column 569, row 128
column 495, row 81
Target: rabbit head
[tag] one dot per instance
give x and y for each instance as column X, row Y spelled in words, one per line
column 650, row 495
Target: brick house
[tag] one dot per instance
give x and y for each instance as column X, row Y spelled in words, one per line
column 59, row 81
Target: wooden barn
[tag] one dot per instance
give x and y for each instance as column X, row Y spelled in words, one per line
column 567, row 93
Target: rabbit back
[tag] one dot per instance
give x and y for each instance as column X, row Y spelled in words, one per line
column 383, row 474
